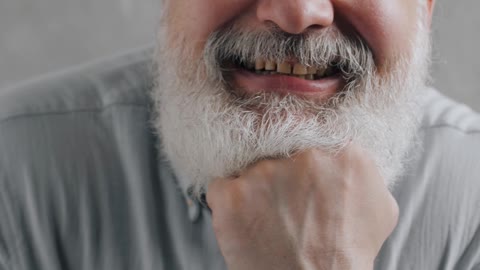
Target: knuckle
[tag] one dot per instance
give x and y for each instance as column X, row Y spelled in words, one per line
column 346, row 183
column 312, row 157
column 234, row 197
column 225, row 195
column 354, row 155
column 267, row 166
column 265, row 170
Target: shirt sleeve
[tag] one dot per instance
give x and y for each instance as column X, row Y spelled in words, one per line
column 470, row 260
column 9, row 242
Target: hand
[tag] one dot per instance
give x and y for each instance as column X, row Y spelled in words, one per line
column 311, row 211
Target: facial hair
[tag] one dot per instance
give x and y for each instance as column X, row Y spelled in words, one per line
column 209, row 130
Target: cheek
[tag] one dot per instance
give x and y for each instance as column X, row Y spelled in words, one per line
column 388, row 26
column 195, row 20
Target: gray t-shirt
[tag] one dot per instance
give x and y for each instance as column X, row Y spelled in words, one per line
column 84, row 186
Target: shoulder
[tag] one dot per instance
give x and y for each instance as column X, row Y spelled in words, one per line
column 450, row 135
column 47, row 121
column 61, row 122
column 441, row 112
column 98, row 107
column 68, row 127
column 122, row 79
column 438, row 197
column 70, row 142
column 67, row 113
column 450, row 147
column 439, row 224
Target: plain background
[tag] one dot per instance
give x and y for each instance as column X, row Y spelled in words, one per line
column 41, row 36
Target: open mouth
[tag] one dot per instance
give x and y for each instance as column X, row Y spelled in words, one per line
column 288, row 68
column 285, row 77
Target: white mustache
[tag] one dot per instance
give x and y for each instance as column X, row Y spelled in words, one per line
column 316, row 49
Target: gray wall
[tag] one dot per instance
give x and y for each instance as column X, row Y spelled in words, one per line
column 38, row 36
column 456, row 66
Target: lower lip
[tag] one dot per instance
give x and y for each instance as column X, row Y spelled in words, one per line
column 253, row 83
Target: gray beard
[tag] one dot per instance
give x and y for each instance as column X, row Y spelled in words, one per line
column 207, row 133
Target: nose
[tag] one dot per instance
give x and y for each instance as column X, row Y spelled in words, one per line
column 296, row 16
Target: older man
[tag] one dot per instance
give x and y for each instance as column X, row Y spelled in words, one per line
column 272, row 139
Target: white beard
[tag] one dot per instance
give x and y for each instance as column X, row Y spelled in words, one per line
column 205, row 134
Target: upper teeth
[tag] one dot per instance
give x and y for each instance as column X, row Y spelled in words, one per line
column 284, row 68
column 289, row 69
column 299, row 69
column 270, row 65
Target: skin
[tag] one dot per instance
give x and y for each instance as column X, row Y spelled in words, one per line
column 309, row 211
column 386, row 25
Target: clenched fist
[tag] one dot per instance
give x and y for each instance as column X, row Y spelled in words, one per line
column 311, row 211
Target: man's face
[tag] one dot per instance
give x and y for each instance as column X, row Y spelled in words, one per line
column 386, row 26
column 244, row 80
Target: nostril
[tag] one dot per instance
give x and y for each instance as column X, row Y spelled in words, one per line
column 315, row 27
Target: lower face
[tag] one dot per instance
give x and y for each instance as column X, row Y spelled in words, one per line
column 230, row 93
column 387, row 27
